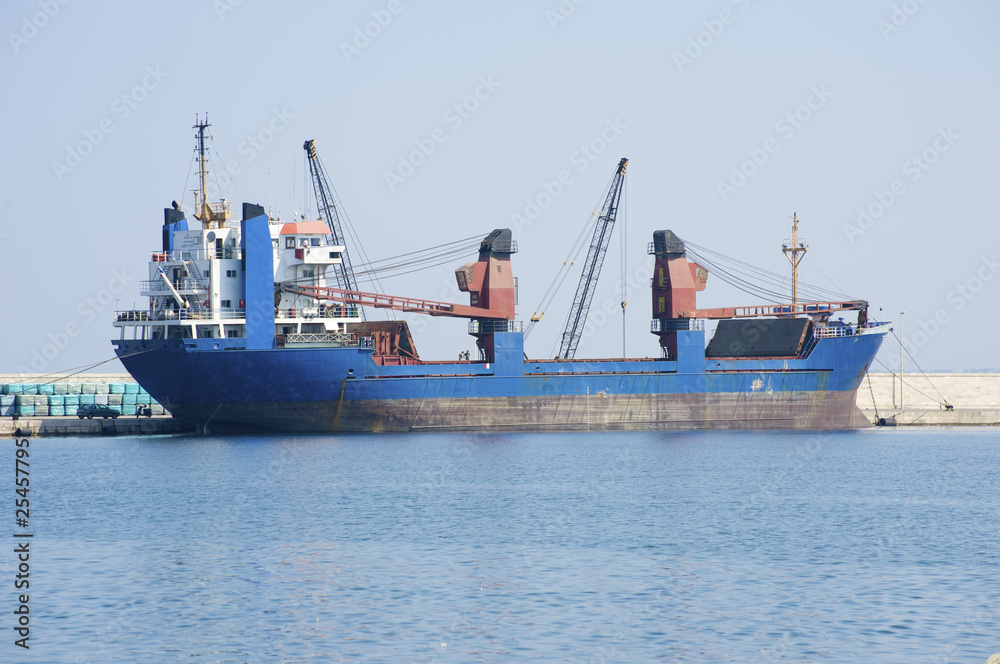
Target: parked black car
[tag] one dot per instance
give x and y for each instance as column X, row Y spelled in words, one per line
column 90, row 411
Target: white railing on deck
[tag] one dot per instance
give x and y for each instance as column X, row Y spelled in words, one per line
column 314, row 312
column 160, row 286
column 494, row 326
column 674, row 324
column 146, row 316
column 833, row 331
column 331, row 338
column 195, row 254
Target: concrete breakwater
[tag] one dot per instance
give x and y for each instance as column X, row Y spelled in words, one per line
column 73, row 426
column 974, row 398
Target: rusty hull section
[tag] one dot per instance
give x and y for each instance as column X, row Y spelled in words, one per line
column 580, row 412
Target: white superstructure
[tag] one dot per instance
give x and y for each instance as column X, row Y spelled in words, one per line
column 196, row 289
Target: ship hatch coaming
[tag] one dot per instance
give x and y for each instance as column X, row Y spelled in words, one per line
column 759, row 337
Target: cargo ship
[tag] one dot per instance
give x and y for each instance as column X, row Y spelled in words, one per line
column 255, row 325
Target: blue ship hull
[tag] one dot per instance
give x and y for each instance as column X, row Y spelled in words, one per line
column 222, row 386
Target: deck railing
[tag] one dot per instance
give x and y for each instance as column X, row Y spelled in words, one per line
column 673, row 324
column 327, row 338
column 494, row 326
column 832, row 331
column 160, row 286
column 146, row 316
column 195, row 254
column 332, row 339
column 203, row 313
column 316, row 312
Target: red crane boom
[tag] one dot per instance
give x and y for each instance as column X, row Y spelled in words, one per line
column 379, row 301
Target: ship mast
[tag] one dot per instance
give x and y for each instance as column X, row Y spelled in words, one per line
column 206, row 213
column 795, row 252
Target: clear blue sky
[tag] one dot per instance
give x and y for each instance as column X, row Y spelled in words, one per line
column 834, row 100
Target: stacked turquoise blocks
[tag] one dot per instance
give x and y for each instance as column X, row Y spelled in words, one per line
column 61, row 398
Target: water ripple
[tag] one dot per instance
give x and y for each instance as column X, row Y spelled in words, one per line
column 735, row 547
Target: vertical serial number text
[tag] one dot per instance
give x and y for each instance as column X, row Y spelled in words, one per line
column 22, row 547
column 21, row 514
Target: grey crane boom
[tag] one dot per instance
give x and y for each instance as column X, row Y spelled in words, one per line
column 592, row 267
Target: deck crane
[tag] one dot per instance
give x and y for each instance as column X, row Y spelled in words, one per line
column 592, row 267
column 327, row 205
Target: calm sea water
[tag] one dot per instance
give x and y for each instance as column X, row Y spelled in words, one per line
column 874, row 546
